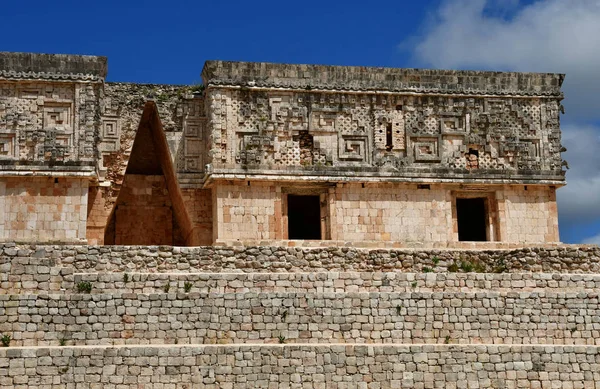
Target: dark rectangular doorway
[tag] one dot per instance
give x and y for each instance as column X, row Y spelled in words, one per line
column 304, row 217
column 471, row 218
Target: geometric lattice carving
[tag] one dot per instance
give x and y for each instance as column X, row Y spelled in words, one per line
column 110, row 128
column 194, row 144
column 389, row 130
column 452, row 123
column 111, row 134
column 426, row 149
column 354, row 148
column 49, row 121
column 7, row 145
column 324, row 121
column 271, row 128
column 192, row 129
column 57, row 115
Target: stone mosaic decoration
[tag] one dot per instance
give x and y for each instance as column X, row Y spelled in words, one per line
column 292, row 118
column 384, row 133
column 49, row 108
column 44, row 122
column 266, row 122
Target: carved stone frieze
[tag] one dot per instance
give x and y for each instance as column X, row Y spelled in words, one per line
column 281, row 130
column 292, row 118
column 44, row 122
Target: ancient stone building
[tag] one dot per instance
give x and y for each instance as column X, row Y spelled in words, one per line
column 269, row 152
column 263, row 157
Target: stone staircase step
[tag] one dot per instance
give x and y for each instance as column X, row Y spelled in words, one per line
column 43, row 279
column 334, row 282
column 335, row 366
column 417, row 316
column 63, row 279
column 320, row 318
column 270, row 259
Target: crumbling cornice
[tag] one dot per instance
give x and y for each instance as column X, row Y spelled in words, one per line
column 376, row 79
column 52, row 67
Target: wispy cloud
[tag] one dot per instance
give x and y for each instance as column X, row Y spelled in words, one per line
column 579, row 201
column 593, row 240
column 546, row 36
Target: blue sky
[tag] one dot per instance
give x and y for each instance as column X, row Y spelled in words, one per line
column 168, row 42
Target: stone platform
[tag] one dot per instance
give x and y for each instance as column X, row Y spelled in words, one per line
column 267, row 317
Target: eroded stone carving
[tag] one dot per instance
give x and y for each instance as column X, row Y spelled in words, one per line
column 42, row 122
column 271, row 130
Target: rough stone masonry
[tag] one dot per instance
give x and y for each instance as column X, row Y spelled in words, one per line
column 162, row 317
column 271, row 152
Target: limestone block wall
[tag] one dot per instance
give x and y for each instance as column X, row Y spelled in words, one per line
column 385, row 212
column 50, row 108
column 143, row 213
column 290, row 366
column 29, row 276
column 43, row 209
column 529, row 215
column 483, row 317
column 198, row 203
column 266, row 259
column 391, row 213
column 98, row 213
column 324, row 282
column 335, row 317
column 246, row 212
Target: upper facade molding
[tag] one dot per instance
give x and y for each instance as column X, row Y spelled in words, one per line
column 328, row 123
column 52, row 67
column 376, row 79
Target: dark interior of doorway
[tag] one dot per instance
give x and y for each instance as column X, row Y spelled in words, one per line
column 471, row 217
column 304, row 217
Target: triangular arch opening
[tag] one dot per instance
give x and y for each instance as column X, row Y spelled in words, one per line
column 149, row 209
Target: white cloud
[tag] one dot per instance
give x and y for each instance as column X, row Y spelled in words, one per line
column 560, row 36
column 547, row 36
column 593, row 240
column 579, row 201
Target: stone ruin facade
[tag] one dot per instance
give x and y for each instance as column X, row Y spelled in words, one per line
column 413, row 167
column 272, row 153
